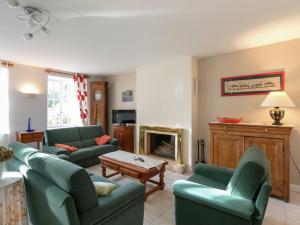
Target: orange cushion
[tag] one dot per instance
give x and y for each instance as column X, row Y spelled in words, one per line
column 103, row 140
column 67, row 147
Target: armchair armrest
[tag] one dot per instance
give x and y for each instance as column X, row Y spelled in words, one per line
column 54, row 150
column 214, row 198
column 114, row 142
column 217, row 173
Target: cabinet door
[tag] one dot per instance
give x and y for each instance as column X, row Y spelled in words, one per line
column 274, row 150
column 129, row 141
column 119, row 134
column 228, row 150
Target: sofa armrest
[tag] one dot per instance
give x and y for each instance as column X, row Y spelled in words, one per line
column 214, row 198
column 54, row 150
column 119, row 200
column 114, row 142
column 217, row 173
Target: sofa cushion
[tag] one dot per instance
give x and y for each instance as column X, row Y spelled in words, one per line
column 82, row 153
column 68, row 176
column 103, row 149
column 89, row 133
column 103, row 140
column 249, row 175
column 67, row 147
column 69, row 136
column 104, row 188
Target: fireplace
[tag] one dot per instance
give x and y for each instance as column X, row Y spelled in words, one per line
column 164, row 143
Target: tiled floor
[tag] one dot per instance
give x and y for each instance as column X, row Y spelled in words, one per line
column 159, row 208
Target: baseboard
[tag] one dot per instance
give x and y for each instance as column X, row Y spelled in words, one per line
column 295, row 188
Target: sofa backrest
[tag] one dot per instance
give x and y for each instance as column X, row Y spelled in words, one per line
column 68, row 176
column 74, row 136
column 68, row 136
column 22, row 151
column 250, row 174
column 89, row 133
column 45, row 200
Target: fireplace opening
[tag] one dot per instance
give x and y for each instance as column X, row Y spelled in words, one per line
column 162, row 145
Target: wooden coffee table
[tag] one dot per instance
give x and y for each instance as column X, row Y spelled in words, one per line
column 144, row 175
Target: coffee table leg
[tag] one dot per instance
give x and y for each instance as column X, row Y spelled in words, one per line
column 103, row 171
column 161, row 178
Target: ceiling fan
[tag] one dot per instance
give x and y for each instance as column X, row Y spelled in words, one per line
column 34, row 17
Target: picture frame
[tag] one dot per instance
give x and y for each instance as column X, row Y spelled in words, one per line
column 254, row 84
column 127, row 96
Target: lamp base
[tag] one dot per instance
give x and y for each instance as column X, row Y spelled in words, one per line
column 277, row 115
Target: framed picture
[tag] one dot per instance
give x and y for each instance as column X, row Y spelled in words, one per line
column 255, row 84
column 127, row 96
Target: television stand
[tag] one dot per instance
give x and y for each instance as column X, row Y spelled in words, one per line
column 125, row 134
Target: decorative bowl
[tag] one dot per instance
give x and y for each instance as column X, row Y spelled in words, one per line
column 229, row 120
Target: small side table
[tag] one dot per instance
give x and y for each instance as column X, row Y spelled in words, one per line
column 27, row 137
column 12, row 199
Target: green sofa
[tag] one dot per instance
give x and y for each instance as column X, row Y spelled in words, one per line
column 81, row 137
column 61, row 193
column 220, row 196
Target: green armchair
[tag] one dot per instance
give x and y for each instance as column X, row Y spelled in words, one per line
column 221, row 196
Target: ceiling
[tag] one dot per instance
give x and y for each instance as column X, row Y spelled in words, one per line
column 114, row 37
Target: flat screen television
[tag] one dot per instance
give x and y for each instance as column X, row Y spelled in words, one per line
column 123, row 116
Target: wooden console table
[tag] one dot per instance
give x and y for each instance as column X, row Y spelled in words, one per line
column 28, row 137
column 228, row 142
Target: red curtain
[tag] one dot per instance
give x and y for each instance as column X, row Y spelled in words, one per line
column 80, row 81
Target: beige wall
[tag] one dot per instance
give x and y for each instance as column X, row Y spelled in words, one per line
column 117, row 84
column 280, row 56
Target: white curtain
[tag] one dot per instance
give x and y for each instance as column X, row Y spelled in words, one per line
column 4, row 112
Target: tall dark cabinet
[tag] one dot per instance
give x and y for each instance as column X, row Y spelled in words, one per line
column 99, row 104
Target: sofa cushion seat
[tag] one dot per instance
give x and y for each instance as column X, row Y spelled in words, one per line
column 82, row 153
column 207, row 181
column 103, row 149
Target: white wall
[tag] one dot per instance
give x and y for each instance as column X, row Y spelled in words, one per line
column 23, row 106
column 164, row 98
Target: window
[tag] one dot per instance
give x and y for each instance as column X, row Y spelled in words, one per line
column 63, row 107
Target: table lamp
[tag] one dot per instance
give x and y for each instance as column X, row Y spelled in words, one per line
column 277, row 99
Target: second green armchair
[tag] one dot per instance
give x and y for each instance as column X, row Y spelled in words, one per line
column 220, row 196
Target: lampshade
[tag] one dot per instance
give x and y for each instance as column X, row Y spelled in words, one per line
column 277, row 99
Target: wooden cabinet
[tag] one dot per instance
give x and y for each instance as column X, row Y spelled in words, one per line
column 229, row 142
column 99, row 104
column 230, row 149
column 125, row 135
